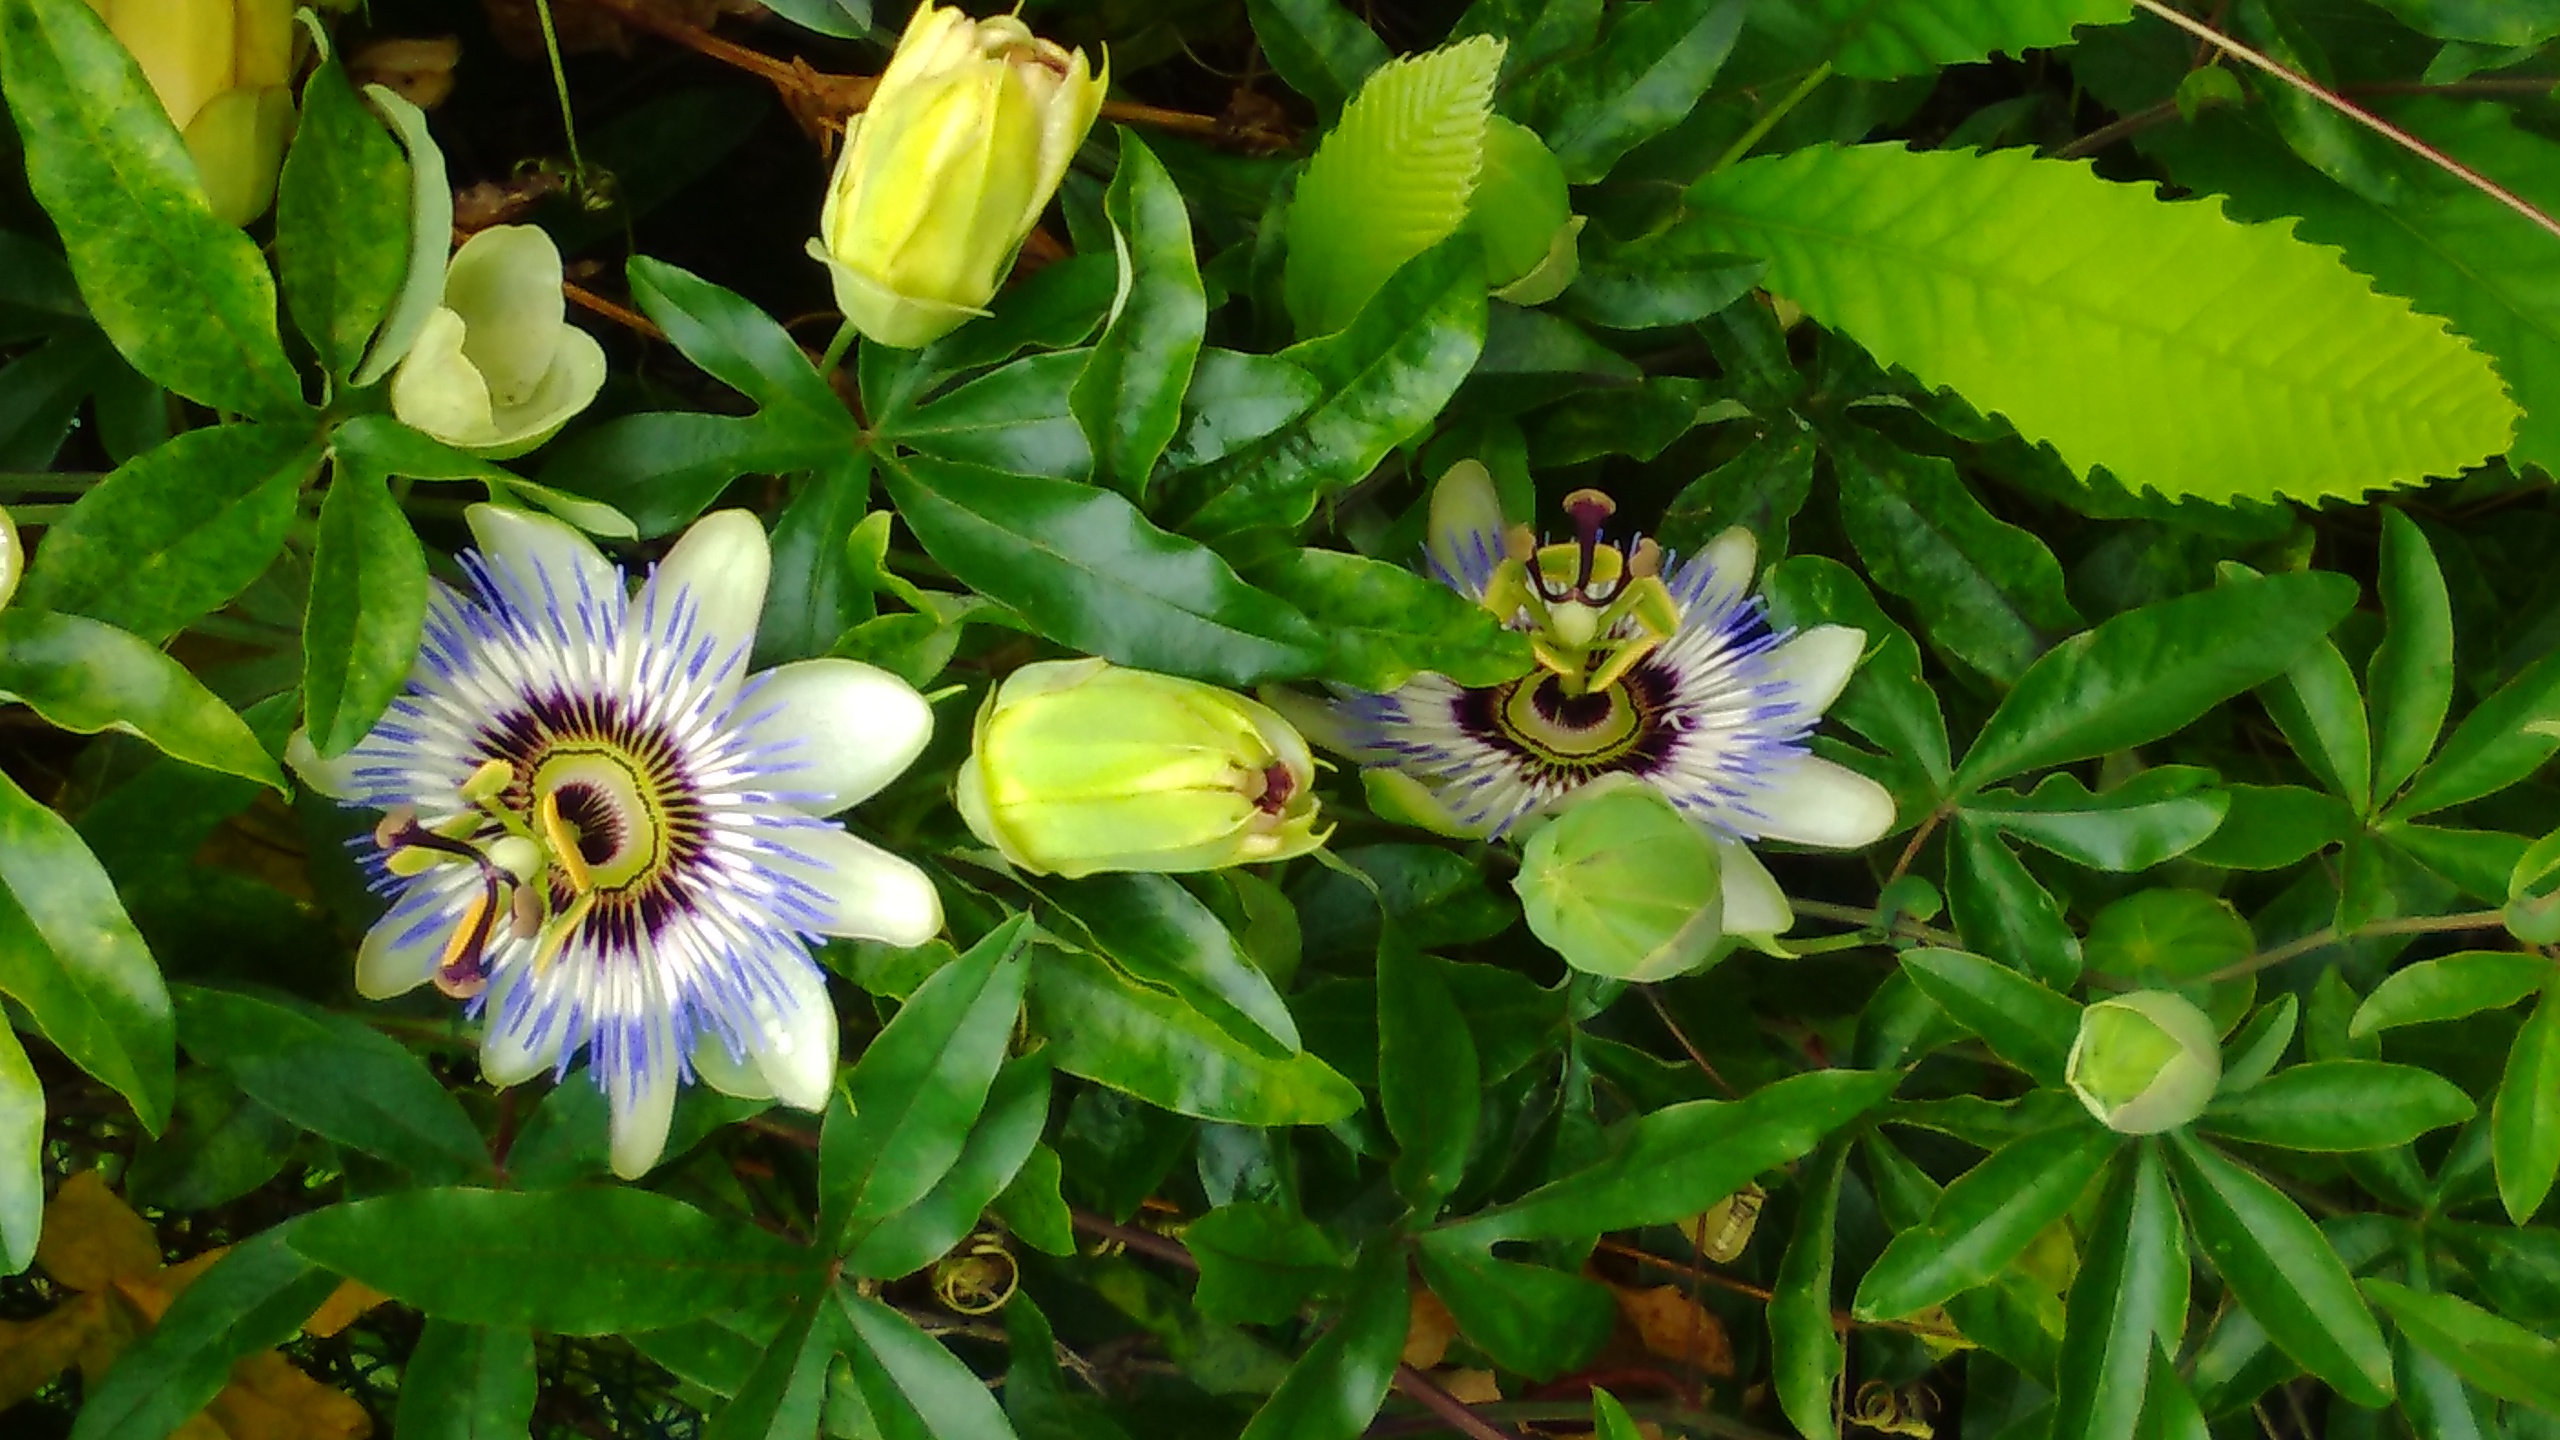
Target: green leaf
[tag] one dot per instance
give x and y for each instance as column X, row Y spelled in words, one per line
column 2150, row 672
column 1611, row 1421
column 430, row 227
column 1537, row 1321
column 2499, row 1356
column 256, row 1296
column 741, row 347
column 1390, row 181
column 2271, row 827
column 1887, row 701
column 2152, row 817
column 368, row 607
column 1666, row 278
column 86, row 677
column 467, row 1382
column 817, row 592
column 1987, row 592
column 176, row 532
column 2003, row 911
column 664, row 468
column 1672, row 1164
column 1318, row 47
column 1985, row 1220
column 919, row 1087
column 1429, row 1082
column 2340, row 1105
column 1087, row 570
column 69, row 955
column 1643, row 78
column 2317, row 706
column 2278, row 1264
column 1806, row 1356
column 1019, row 419
column 844, row 19
column 1017, row 1109
column 2495, row 746
column 2448, row 989
column 1259, row 1262
column 21, row 1155
column 1235, row 399
column 1380, row 382
column 1129, row 398
column 219, row 1146
column 342, row 221
column 2128, row 1299
column 2410, row 682
column 782, row 1396
column 1032, row 1207
column 2024, row 1023
column 1335, row 1389
column 2524, row 1119
column 2432, row 1396
column 2287, row 375
column 1156, row 932
column 2167, row 937
column 1110, row 1030
column 108, row 166
column 904, row 1372
column 1384, row 624
column 1888, row 39
column 336, row 1078
column 576, row 1262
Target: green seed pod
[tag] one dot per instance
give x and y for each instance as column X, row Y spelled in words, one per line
column 1621, row 885
column 2145, row 1062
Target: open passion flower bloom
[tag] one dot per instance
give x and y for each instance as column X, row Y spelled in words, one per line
column 1674, row 677
column 604, row 835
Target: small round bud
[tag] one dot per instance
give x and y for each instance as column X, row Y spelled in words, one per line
column 1622, row 885
column 2145, row 1062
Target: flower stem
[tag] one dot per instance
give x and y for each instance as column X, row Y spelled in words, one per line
column 2329, row 935
column 1761, row 127
column 560, row 87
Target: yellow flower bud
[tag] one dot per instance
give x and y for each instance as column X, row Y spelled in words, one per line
column 497, row 369
column 223, row 70
column 2145, row 1062
column 1080, row 766
column 945, row 172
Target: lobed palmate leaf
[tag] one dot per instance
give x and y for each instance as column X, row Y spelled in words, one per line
column 2184, row 351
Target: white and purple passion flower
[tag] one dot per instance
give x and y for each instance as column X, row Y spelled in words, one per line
column 606, row 837
column 1670, row 673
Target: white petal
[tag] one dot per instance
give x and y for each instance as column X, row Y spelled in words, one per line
column 436, row 389
column 641, row 1116
column 1817, row 663
column 505, row 284
column 721, row 566
column 717, row 1068
column 333, row 778
column 1753, row 903
column 844, row 729
column 513, row 1054
column 1720, row 573
column 1815, row 802
column 526, row 550
column 869, row 894
column 1466, row 531
column 796, row 1048
column 569, row 386
column 400, row 952
column 1733, row 554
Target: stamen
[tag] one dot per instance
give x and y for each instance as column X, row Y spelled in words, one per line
column 1646, row 562
column 463, row 971
column 527, row 920
column 396, row 823
column 557, row 933
column 564, row 842
column 488, row 782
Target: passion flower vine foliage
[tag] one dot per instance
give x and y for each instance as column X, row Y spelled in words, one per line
column 1014, row 830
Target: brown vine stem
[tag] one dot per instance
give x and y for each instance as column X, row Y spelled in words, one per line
column 1841, row 1320
column 2329, row 935
column 1418, row 1387
column 2355, row 112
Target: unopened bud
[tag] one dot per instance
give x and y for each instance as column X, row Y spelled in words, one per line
column 1622, row 885
column 2145, row 1062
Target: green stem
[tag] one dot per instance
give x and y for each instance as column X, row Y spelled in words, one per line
column 836, row 349
column 45, row 482
column 1761, row 127
column 560, row 87
column 2329, row 935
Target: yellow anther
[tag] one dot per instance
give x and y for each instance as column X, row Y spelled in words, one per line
column 469, row 937
column 393, row 830
column 488, row 782
column 1622, row 659
column 1647, row 561
column 564, row 842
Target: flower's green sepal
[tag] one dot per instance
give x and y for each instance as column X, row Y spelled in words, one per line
column 2145, row 1062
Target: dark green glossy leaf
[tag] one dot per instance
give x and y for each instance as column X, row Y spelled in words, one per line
column 1385, row 623
column 2156, row 815
column 1672, row 1164
column 1806, row 1355
column 2448, row 989
column 1984, row 1221
column 1129, row 398
column 1237, row 398
column 1642, row 79
column 2500, row 1356
column 577, row 1262
column 2001, row 908
column 467, row 1382
column 1429, row 1084
column 368, row 606
column 1887, row 701
column 2317, row 706
column 1529, row 1318
column 2129, row 1299
column 816, row 593
column 168, row 538
column 1318, row 47
column 2410, row 681
column 1760, row 489
column 254, row 1297
column 219, row 1146
column 662, row 469
column 1087, row 570
column 2524, row 1120
column 2024, row 1023
column 2270, row 827
column 1334, row 1390
column 342, row 221
column 86, row 677
column 1259, row 1262
column 741, row 347
column 1018, row 419
column 105, row 161
column 1017, row 1108
column 2493, row 747
column 334, row 1077
column 2149, row 672
column 69, row 955
column 905, row 1373
column 780, row 1398
column 1161, row 935
column 2340, row 1105
column 1669, row 278
column 2279, row 1265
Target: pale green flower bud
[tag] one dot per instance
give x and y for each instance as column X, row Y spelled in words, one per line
column 2145, row 1062
column 223, row 70
column 1622, row 885
column 1080, row 766
column 947, row 169
column 13, row 558
column 497, row 369
column 1524, row 217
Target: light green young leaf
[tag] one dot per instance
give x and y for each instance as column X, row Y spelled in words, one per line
column 2286, row 374
column 1390, row 181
